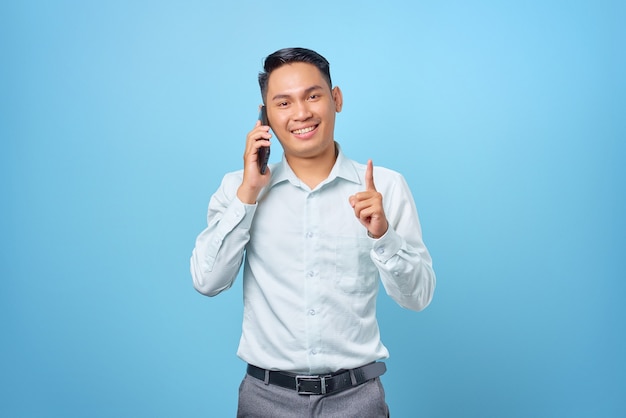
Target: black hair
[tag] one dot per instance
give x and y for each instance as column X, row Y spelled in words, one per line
column 291, row 55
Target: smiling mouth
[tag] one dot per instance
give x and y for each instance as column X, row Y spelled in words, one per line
column 304, row 130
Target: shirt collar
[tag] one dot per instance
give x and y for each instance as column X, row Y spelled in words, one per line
column 344, row 168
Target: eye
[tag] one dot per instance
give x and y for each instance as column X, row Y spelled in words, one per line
column 314, row 96
column 282, row 104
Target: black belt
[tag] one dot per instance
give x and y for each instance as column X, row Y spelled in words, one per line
column 319, row 385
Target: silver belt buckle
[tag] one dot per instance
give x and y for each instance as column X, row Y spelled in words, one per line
column 320, row 379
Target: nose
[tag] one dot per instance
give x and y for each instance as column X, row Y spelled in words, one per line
column 302, row 111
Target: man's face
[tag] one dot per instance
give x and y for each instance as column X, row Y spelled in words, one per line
column 301, row 109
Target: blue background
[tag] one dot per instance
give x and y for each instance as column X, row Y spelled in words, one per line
column 119, row 118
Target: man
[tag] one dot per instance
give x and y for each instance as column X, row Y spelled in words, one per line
column 317, row 233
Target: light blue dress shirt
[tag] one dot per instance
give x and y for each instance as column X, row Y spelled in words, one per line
column 311, row 273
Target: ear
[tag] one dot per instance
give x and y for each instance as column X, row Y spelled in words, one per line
column 338, row 98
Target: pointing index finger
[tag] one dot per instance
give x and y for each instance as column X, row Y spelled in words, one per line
column 369, row 176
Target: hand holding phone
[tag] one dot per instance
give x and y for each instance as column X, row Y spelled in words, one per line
column 264, row 152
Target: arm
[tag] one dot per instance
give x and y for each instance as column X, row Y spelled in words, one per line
column 219, row 249
column 403, row 261
column 404, row 264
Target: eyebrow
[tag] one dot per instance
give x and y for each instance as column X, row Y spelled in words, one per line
column 307, row 91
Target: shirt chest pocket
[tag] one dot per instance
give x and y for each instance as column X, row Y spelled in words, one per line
column 355, row 272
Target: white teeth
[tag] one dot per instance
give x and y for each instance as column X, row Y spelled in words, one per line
column 304, row 130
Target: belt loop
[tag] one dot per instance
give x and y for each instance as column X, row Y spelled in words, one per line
column 352, row 377
column 267, row 377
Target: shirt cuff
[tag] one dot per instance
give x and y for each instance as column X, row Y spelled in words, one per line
column 386, row 246
column 238, row 214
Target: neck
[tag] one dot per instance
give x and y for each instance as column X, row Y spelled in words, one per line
column 312, row 171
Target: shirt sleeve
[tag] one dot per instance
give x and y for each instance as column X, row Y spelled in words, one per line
column 219, row 249
column 402, row 259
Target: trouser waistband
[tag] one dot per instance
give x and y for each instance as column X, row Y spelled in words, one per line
column 319, row 384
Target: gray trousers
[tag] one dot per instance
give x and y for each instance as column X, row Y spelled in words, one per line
column 256, row 399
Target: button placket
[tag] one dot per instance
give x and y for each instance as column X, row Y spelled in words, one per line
column 311, row 274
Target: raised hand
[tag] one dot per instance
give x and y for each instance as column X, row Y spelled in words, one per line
column 368, row 206
column 253, row 180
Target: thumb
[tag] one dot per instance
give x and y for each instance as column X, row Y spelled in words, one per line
column 369, row 176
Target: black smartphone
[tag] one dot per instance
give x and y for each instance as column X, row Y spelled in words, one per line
column 264, row 152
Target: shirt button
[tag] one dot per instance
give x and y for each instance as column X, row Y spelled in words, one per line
column 381, row 250
column 314, row 351
column 309, row 234
column 312, row 312
column 310, row 274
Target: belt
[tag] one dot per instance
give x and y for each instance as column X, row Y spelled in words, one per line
column 319, row 385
